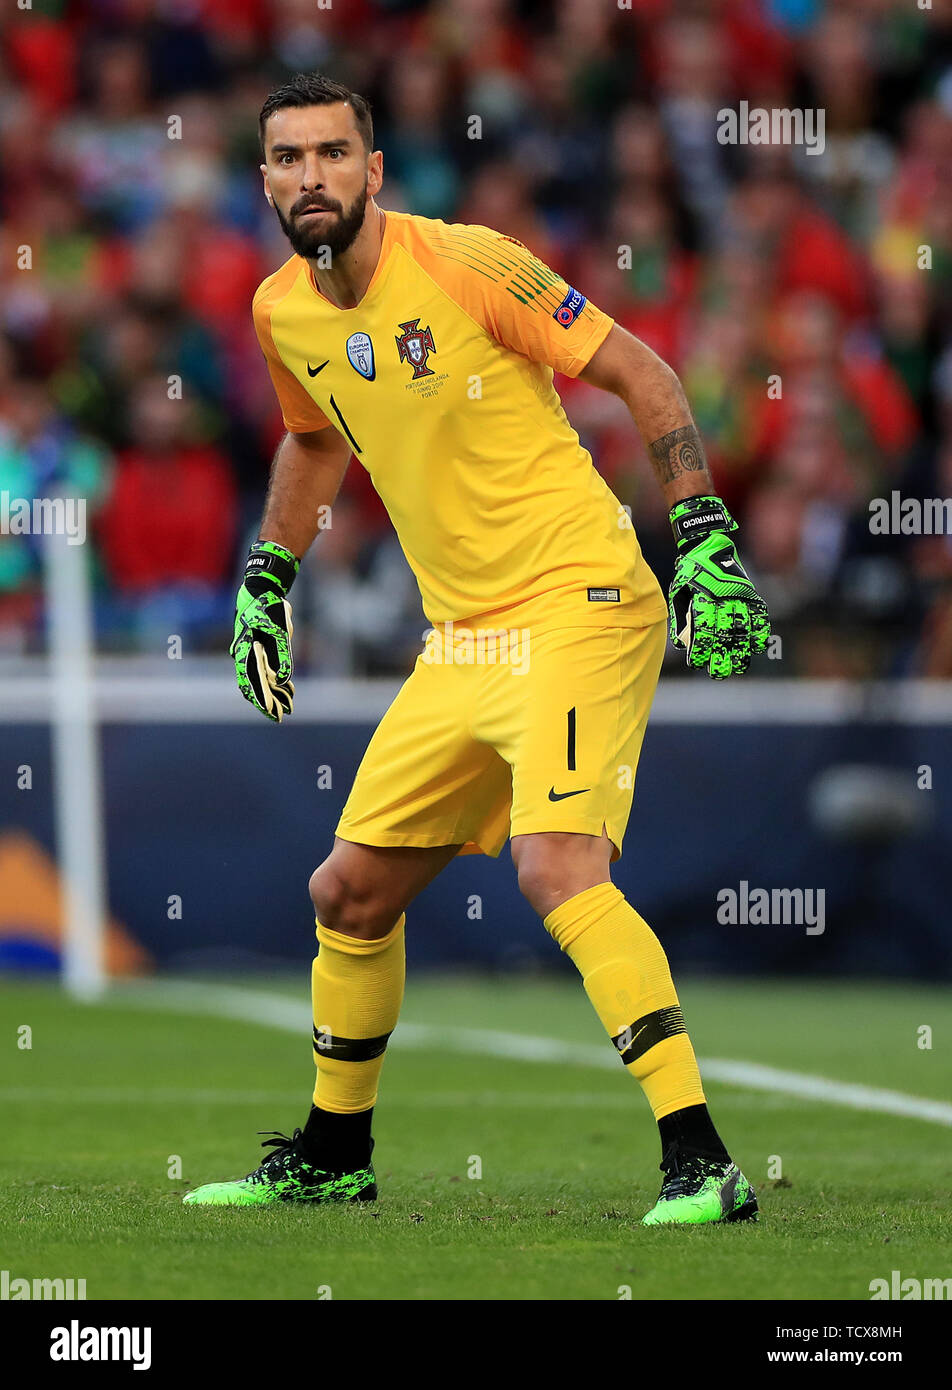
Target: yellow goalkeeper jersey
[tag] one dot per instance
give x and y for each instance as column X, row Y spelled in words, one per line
column 440, row 379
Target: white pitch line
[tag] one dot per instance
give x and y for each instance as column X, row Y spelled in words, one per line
column 855, row 1096
column 278, row 1011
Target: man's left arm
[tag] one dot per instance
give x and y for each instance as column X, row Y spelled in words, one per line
column 715, row 613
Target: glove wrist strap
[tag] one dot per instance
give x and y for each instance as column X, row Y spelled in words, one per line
column 268, row 560
column 694, row 517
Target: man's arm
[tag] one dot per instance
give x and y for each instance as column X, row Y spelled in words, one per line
column 306, row 474
column 714, row 611
column 653, row 394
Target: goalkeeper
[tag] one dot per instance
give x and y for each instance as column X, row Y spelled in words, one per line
column 508, row 529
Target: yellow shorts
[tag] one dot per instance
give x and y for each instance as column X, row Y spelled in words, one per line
column 491, row 738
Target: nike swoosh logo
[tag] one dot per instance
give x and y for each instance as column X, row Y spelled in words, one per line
column 313, row 371
column 560, row 796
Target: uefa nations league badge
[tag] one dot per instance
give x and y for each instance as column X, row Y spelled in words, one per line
column 360, row 354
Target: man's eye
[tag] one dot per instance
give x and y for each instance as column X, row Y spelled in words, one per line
column 330, row 152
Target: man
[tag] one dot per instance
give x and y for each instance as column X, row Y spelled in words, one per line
column 427, row 350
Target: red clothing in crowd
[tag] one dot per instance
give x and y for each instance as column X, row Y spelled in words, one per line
column 871, row 386
column 815, row 255
column 170, row 519
column 42, row 55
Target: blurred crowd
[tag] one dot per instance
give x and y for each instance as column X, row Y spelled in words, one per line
column 804, row 299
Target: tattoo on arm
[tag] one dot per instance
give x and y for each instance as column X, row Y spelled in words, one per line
column 679, row 452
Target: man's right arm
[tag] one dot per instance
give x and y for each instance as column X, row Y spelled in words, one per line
column 306, row 474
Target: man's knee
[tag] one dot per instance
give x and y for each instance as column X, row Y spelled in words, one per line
column 328, row 892
column 348, row 907
column 545, row 884
column 552, row 871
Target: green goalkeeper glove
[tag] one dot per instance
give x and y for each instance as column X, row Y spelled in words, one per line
column 715, row 613
column 263, row 630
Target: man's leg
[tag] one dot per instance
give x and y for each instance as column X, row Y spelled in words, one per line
column 625, row 972
column 360, row 893
column 428, row 787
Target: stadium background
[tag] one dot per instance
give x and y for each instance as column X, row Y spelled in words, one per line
column 597, row 131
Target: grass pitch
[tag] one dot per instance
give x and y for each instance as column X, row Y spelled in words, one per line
column 111, row 1099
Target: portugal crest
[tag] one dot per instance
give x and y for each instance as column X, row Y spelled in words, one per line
column 414, row 346
column 360, row 355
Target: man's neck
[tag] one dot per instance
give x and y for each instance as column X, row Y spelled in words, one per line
column 346, row 284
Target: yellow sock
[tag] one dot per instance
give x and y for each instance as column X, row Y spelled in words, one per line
column 356, row 990
column 626, row 976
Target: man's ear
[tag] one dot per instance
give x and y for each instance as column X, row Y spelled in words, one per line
column 375, row 173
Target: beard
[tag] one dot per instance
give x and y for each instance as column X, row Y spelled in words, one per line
column 335, row 232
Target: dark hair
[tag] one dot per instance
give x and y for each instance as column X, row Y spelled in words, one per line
column 313, row 89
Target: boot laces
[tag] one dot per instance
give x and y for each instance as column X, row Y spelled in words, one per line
column 281, row 1148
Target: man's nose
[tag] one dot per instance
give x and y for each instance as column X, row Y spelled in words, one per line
column 311, row 174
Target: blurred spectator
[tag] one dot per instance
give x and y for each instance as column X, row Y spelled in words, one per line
column 116, row 144
column 168, row 529
column 419, row 154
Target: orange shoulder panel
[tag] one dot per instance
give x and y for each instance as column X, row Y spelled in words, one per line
column 509, row 292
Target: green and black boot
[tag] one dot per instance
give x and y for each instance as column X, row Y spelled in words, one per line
column 288, row 1174
column 698, row 1188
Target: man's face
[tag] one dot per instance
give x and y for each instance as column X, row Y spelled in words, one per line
column 318, row 176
